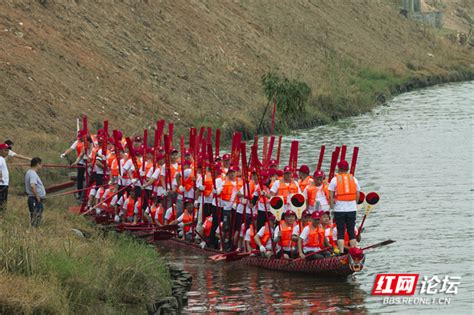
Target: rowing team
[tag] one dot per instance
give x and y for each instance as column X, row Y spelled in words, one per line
column 221, row 212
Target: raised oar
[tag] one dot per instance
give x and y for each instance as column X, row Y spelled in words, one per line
column 279, row 149
column 307, row 256
column 355, row 153
column 321, row 156
column 372, row 198
column 343, row 152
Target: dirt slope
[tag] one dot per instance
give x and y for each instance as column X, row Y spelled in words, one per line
column 191, row 61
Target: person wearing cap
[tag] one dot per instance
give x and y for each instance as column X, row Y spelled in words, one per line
column 137, row 142
column 262, row 238
column 343, row 195
column 317, row 193
column 132, row 174
column 104, row 197
column 261, row 197
column 154, row 213
column 4, row 177
column 304, row 178
column 185, row 220
column 129, row 205
column 14, row 155
column 249, row 237
column 225, row 163
column 36, row 192
column 228, row 195
column 78, row 146
column 186, row 187
column 284, row 236
column 285, row 187
column 216, row 205
column 305, row 220
column 170, row 188
column 273, row 164
column 312, row 239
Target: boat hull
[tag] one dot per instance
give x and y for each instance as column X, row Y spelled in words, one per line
column 331, row 266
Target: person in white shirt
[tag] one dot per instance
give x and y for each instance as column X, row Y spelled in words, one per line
column 12, row 154
column 264, row 235
column 343, row 195
column 4, row 177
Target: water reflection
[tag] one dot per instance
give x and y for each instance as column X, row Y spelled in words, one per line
column 417, row 153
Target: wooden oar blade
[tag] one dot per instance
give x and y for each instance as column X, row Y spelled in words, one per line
column 384, row 243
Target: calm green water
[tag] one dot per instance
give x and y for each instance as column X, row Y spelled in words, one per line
column 417, row 154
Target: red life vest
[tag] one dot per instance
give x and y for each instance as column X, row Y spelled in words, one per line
column 187, row 218
column 252, row 237
column 79, row 147
column 227, row 190
column 346, row 188
column 266, row 236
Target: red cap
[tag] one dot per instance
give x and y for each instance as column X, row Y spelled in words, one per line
column 217, row 157
column 289, row 212
column 160, row 157
column 119, row 134
column 217, row 167
column 187, row 152
column 287, row 169
column 271, row 216
column 325, row 212
column 319, row 174
column 150, row 151
column 137, row 139
column 4, row 146
column 273, row 162
column 81, row 133
column 111, row 140
column 226, row 157
column 304, row 169
column 233, row 169
column 174, row 151
column 316, row 215
column 343, row 165
column 306, row 213
column 279, row 173
column 272, row 172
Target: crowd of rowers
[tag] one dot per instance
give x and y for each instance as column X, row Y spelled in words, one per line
column 220, row 214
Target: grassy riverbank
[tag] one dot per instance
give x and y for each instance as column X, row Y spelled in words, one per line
column 52, row 270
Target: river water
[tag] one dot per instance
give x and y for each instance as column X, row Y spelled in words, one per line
column 417, row 154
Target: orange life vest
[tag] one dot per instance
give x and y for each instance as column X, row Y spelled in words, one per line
column 227, row 190
column 136, row 173
column 252, row 238
column 284, row 190
column 187, row 218
column 207, row 184
column 266, row 236
column 332, row 242
column 305, row 182
column 239, row 183
column 189, row 182
column 346, row 188
column 312, row 192
column 79, row 147
column 114, row 170
column 286, row 234
column 315, row 237
column 207, row 226
column 130, row 211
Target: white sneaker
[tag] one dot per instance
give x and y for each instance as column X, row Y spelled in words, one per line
column 202, row 244
column 117, row 218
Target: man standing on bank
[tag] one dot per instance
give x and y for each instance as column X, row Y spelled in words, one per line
column 4, row 177
column 35, row 190
column 343, row 193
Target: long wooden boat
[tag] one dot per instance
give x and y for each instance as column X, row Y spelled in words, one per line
column 334, row 266
column 339, row 266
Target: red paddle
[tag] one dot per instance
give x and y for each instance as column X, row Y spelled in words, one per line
column 372, row 198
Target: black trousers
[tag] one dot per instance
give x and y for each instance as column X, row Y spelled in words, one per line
column 261, row 219
column 81, row 172
column 3, row 197
column 36, row 211
column 345, row 220
column 216, row 216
